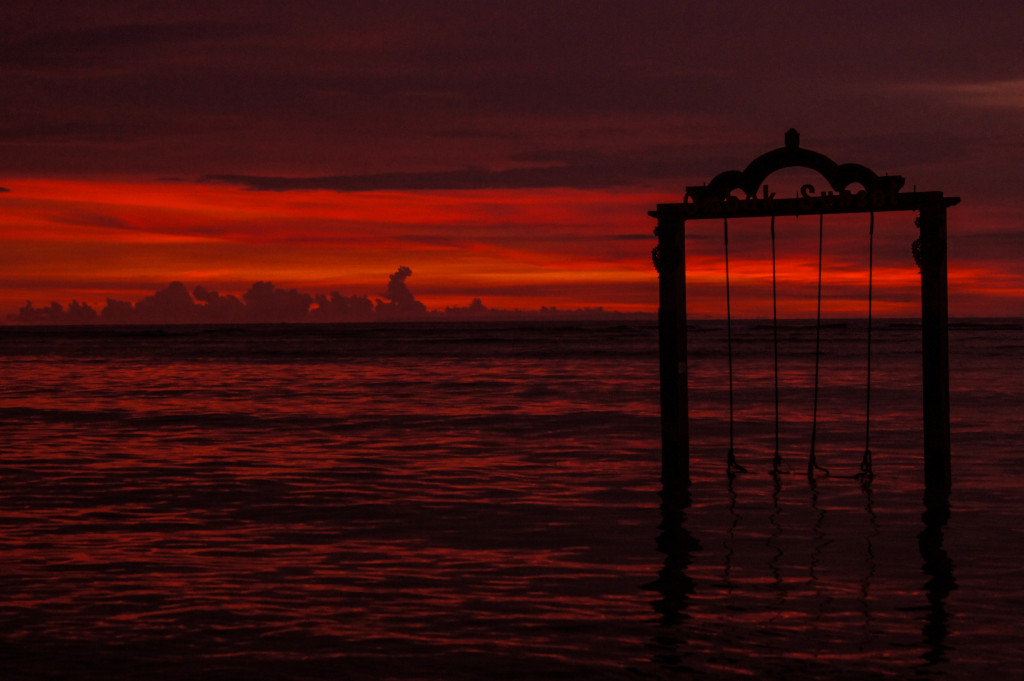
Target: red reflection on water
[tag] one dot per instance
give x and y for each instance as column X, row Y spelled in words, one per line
column 497, row 502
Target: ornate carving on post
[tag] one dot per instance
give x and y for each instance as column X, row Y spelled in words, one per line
column 666, row 258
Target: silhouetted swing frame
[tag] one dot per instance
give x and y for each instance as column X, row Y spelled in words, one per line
column 716, row 200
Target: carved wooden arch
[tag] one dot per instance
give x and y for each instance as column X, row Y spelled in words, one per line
column 840, row 177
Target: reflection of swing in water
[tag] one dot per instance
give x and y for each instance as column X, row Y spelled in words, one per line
column 819, row 588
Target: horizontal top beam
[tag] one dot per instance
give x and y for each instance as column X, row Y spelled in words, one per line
column 809, row 203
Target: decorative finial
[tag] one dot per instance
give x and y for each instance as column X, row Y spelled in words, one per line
column 792, row 139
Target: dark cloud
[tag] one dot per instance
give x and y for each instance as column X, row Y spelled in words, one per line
column 559, row 169
column 74, row 131
column 338, row 308
column 172, row 305
column 76, row 313
column 400, row 300
column 349, row 96
column 124, row 46
column 224, row 309
column 116, row 312
column 474, row 178
column 265, row 303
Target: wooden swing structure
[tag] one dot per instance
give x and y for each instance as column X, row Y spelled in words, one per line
column 716, row 200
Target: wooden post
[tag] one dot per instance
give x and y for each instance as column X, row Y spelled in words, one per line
column 935, row 345
column 670, row 261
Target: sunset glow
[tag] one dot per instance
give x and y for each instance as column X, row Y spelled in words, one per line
column 322, row 150
column 89, row 240
column 515, row 249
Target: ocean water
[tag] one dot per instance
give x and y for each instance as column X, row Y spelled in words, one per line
column 482, row 501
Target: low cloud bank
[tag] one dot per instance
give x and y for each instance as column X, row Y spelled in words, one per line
column 265, row 303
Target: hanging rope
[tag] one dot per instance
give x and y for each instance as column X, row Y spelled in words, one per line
column 865, row 463
column 777, row 458
column 730, row 462
column 812, row 463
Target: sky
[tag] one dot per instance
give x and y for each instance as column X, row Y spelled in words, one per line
column 503, row 151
